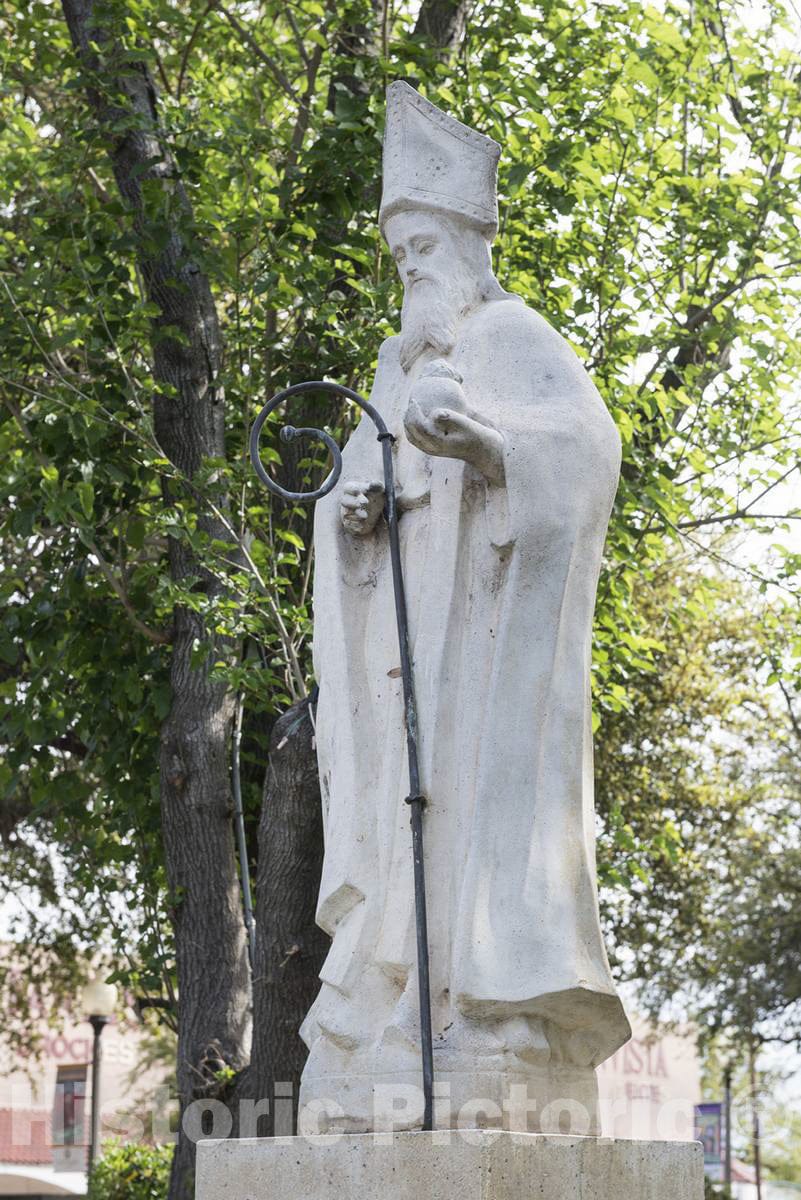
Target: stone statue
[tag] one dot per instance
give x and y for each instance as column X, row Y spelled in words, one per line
column 507, row 463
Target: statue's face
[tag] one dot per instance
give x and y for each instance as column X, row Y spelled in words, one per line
column 439, row 266
column 422, row 245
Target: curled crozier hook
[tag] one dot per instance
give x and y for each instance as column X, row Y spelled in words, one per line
column 289, row 433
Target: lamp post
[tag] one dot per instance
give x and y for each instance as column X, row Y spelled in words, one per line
column 98, row 1001
column 727, row 1159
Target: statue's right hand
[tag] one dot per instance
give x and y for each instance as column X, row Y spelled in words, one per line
column 361, row 506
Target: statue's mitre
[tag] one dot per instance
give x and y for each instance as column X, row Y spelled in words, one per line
column 433, row 161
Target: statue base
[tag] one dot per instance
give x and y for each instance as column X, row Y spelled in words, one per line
column 537, row 1100
column 465, row 1164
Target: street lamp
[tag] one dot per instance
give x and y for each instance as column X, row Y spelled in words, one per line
column 98, row 1001
column 727, row 1094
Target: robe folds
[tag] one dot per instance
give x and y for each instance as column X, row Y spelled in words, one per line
column 500, row 585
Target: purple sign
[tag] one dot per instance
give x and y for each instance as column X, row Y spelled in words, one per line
column 708, row 1131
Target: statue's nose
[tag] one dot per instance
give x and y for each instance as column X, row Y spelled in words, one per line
column 411, row 274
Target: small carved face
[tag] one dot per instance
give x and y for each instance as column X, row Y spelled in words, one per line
column 422, row 245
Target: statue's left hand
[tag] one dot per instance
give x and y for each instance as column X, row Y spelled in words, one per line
column 451, row 434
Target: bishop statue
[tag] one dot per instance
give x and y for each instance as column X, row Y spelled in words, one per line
column 507, row 463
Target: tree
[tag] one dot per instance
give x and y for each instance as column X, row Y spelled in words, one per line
column 649, row 205
column 702, row 781
column 188, row 426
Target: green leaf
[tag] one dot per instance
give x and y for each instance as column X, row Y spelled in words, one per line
column 86, row 495
column 288, row 536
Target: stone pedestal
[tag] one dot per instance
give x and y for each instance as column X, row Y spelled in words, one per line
column 457, row 1165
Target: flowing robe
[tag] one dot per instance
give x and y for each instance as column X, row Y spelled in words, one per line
column 500, row 584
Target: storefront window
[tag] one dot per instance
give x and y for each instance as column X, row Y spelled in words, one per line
column 68, row 1115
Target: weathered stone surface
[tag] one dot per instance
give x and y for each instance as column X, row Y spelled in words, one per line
column 507, row 462
column 464, row 1165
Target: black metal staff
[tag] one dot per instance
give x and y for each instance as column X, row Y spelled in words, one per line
column 415, row 800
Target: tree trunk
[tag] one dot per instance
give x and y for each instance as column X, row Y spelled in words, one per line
column 289, row 946
column 442, row 24
column 213, row 976
column 756, row 1136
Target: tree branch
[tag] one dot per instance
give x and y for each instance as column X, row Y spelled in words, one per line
column 739, row 514
column 272, row 66
column 296, row 34
column 745, row 510
column 157, row 636
column 190, row 46
column 791, row 713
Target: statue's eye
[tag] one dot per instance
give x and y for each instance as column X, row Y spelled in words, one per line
column 425, row 248
column 399, row 257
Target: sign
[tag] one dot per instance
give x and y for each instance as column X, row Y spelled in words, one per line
column 708, row 1131
column 649, row 1089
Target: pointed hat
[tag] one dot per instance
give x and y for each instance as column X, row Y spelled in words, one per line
column 433, row 161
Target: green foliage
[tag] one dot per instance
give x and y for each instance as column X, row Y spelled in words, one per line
column 649, row 192
column 781, row 1147
column 130, row 1172
column 700, row 796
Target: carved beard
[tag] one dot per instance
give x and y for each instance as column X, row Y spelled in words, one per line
column 432, row 309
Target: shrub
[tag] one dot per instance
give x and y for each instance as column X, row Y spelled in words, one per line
column 130, row 1172
column 715, row 1192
